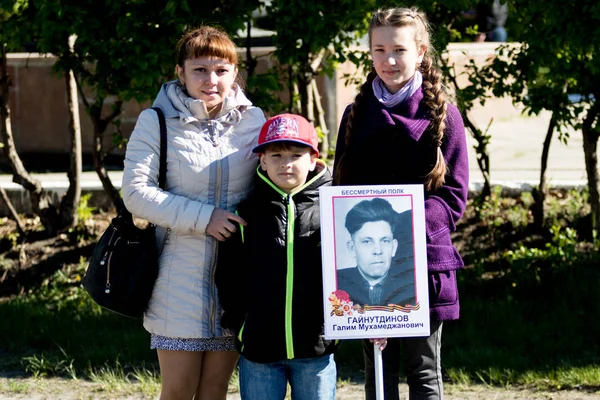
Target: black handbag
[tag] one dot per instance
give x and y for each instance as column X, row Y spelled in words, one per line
column 124, row 264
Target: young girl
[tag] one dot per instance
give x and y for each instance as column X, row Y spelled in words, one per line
column 402, row 130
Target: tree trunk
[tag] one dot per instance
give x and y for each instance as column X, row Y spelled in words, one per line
column 305, row 103
column 68, row 205
column 251, row 62
column 310, row 103
column 481, row 150
column 324, row 145
column 291, row 89
column 306, row 79
column 98, row 154
column 41, row 203
column 13, row 212
column 538, row 206
column 296, row 96
column 590, row 150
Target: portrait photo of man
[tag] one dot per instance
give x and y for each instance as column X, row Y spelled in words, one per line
column 381, row 247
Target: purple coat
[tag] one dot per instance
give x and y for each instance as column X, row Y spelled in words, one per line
column 393, row 146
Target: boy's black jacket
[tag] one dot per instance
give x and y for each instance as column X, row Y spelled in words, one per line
column 270, row 285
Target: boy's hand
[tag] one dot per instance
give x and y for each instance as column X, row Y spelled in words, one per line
column 221, row 224
column 379, row 342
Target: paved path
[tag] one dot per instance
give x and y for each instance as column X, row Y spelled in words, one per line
column 515, row 152
column 516, row 148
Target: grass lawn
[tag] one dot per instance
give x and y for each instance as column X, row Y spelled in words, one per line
column 529, row 306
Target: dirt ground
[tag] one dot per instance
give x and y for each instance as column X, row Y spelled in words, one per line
column 55, row 388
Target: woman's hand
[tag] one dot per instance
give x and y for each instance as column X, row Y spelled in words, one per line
column 379, row 342
column 221, row 224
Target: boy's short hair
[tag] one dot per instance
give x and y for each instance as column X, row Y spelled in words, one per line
column 284, row 145
column 288, row 128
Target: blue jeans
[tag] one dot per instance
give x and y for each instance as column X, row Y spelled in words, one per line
column 309, row 378
column 420, row 360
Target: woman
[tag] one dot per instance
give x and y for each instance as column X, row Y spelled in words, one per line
column 401, row 129
column 211, row 130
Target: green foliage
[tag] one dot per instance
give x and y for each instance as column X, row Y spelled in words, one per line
column 541, row 74
column 85, row 229
column 84, row 211
column 43, row 366
column 497, row 210
column 116, row 377
column 517, row 328
column 263, row 90
column 526, row 297
column 123, row 48
column 323, row 23
column 54, row 324
column 561, row 208
column 562, row 249
column 8, row 8
column 13, row 237
column 328, row 28
column 362, row 60
column 118, row 140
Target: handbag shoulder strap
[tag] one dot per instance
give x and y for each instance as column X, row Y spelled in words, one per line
column 162, row 172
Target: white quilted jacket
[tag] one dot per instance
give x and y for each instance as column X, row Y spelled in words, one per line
column 209, row 164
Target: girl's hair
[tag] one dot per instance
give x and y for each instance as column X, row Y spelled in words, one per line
column 206, row 41
column 434, row 94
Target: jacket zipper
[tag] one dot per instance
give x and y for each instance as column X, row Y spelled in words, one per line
column 289, row 290
column 166, row 239
column 215, row 254
column 289, row 285
column 240, row 335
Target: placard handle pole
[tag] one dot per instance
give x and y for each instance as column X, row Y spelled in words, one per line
column 378, row 359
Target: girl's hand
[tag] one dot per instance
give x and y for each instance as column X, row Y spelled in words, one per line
column 379, row 342
column 221, row 224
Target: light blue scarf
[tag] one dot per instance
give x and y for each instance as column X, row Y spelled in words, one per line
column 391, row 100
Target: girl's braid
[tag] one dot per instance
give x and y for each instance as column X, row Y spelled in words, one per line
column 354, row 111
column 434, row 97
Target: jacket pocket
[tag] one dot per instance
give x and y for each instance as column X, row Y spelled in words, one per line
column 443, row 257
column 443, row 289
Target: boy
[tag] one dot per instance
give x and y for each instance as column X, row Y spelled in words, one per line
column 269, row 275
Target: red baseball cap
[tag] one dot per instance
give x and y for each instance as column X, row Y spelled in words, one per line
column 288, row 128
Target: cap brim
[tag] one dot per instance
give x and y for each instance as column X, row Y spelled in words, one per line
column 259, row 148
